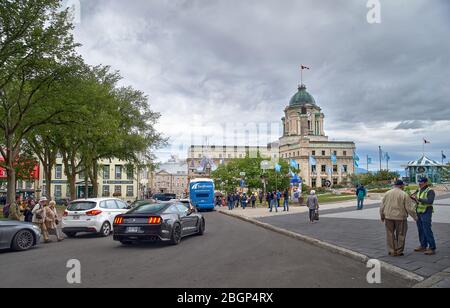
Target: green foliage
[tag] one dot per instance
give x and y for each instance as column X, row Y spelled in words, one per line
column 227, row 177
column 446, row 173
column 375, row 180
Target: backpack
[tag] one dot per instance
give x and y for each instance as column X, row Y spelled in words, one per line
column 6, row 210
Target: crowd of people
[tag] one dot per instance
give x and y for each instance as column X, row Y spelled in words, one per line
column 42, row 213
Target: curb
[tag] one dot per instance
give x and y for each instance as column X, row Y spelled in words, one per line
column 433, row 280
column 332, row 248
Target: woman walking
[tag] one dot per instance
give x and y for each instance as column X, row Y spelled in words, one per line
column 55, row 220
column 313, row 204
column 39, row 217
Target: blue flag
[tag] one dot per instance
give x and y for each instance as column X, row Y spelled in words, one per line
column 386, row 156
column 444, row 156
column 278, row 168
column 312, row 161
column 334, row 159
column 369, row 160
column 294, row 164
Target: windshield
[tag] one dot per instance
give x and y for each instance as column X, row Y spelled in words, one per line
column 148, row 209
column 81, row 206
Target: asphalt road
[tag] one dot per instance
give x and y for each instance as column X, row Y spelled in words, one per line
column 231, row 254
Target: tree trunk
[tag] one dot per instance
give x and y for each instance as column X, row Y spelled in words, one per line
column 48, row 181
column 95, row 178
column 11, row 187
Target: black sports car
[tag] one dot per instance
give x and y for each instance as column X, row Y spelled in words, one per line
column 153, row 222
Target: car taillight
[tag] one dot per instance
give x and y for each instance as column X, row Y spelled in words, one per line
column 154, row 220
column 65, row 214
column 93, row 213
column 118, row 220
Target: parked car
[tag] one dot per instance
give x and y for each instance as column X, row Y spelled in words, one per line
column 154, row 222
column 18, row 236
column 92, row 216
column 63, row 201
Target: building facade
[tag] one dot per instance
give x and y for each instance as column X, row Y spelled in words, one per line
column 202, row 160
column 170, row 177
column 115, row 178
column 304, row 140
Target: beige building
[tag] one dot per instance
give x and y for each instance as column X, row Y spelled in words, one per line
column 115, row 179
column 304, row 140
column 204, row 159
column 170, row 177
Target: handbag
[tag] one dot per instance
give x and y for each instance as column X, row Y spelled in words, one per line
column 316, row 215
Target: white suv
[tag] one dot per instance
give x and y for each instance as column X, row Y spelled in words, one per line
column 92, row 216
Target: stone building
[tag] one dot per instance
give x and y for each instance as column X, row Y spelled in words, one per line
column 170, row 177
column 304, row 140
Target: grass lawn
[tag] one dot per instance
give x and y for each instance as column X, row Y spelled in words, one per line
column 329, row 198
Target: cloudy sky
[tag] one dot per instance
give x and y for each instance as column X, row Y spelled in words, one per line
column 216, row 68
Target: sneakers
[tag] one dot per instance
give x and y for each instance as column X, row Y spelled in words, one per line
column 420, row 249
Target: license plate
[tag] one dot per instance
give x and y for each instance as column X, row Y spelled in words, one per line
column 133, row 230
column 76, row 217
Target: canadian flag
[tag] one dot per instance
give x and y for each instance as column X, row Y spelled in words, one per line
column 426, row 141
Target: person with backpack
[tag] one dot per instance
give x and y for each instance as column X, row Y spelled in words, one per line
column 286, row 201
column 230, row 201
column 313, row 204
column 253, row 200
column 361, row 194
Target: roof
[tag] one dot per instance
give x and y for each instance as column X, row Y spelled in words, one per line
column 302, row 97
column 424, row 162
column 174, row 168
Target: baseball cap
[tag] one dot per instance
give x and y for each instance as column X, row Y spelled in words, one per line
column 423, row 180
column 43, row 199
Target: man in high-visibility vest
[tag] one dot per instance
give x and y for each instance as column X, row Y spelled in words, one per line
column 424, row 198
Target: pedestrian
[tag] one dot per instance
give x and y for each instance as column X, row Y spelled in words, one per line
column 424, row 199
column 53, row 220
column 39, row 217
column 273, row 201
column 268, row 199
column 244, row 201
column 313, row 204
column 278, row 198
column 261, row 196
column 253, row 200
column 361, row 194
column 28, row 212
column 230, row 200
column 286, row 201
column 396, row 206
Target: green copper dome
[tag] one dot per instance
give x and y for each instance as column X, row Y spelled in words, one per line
column 302, row 97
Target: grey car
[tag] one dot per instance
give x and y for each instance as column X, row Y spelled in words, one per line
column 18, row 236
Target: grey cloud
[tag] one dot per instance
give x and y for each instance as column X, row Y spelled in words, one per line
column 405, row 125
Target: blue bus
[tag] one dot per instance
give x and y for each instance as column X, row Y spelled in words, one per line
column 201, row 193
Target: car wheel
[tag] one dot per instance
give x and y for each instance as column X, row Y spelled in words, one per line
column 23, row 240
column 70, row 234
column 202, row 227
column 105, row 231
column 176, row 235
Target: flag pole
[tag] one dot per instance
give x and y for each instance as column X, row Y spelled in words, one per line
column 368, row 164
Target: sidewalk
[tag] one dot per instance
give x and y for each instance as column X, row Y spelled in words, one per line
column 361, row 231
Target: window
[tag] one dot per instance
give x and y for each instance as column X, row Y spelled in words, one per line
column 58, row 191
column 122, row 205
column 182, row 209
column 111, row 205
column 335, row 153
column 345, row 153
column 81, row 175
column 58, row 172
column 130, row 190
column 118, row 190
column 313, row 153
column 67, row 191
column 345, row 168
column 324, row 168
column 28, row 185
column 106, row 192
column 106, row 172
column 19, row 184
column 314, row 183
column 130, row 173
column 335, row 181
column 313, row 168
column 118, row 172
column 335, row 168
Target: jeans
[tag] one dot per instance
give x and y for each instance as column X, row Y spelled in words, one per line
column 426, row 235
column 312, row 215
column 230, row 205
column 360, row 203
column 273, row 203
column 286, row 205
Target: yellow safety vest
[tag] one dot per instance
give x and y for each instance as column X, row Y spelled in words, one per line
column 422, row 207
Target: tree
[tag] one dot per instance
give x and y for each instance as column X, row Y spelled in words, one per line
column 36, row 54
column 446, row 174
column 228, row 176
